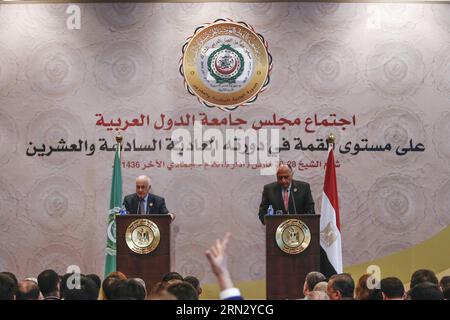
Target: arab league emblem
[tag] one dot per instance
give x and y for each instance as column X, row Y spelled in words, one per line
column 225, row 64
column 293, row 236
column 142, row 236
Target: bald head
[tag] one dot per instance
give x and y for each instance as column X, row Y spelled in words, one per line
column 142, row 186
column 27, row 290
column 284, row 176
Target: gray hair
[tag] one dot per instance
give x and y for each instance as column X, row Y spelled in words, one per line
column 144, row 177
column 317, row 295
column 321, row 286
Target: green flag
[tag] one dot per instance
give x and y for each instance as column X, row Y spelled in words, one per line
column 115, row 205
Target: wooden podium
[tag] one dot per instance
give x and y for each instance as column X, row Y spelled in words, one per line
column 150, row 267
column 285, row 273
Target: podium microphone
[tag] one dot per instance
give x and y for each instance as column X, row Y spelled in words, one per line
column 293, row 201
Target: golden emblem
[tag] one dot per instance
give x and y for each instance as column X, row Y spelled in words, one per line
column 328, row 235
column 142, row 236
column 226, row 64
column 293, row 236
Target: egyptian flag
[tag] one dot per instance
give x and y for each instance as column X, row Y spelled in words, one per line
column 330, row 227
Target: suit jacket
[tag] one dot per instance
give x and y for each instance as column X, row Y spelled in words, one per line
column 155, row 204
column 300, row 193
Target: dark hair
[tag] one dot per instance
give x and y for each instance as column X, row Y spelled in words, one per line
column 130, row 288
column 12, row 276
column 48, row 282
column 445, row 283
column 426, row 291
column 96, row 279
column 27, row 290
column 343, row 283
column 192, row 280
column 110, row 286
column 7, row 287
column 88, row 290
column 392, row 287
column 446, row 293
column 362, row 291
column 423, row 275
column 171, row 276
column 375, row 295
column 183, row 291
column 314, row 278
column 63, row 284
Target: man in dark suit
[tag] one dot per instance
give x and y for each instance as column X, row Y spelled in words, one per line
column 144, row 202
column 286, row 195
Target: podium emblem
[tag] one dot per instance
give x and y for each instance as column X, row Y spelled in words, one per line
column 293, row 236
column 142, row 236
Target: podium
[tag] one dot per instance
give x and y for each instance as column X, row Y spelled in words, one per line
column 150, row 267
column 285, row 273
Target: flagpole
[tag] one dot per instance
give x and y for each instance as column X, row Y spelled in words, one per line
column 330, row 232
column 119, row 140
column 330, row 141
column 115, row 202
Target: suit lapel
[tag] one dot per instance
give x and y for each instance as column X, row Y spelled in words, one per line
column 279, row 197
column 150, row 204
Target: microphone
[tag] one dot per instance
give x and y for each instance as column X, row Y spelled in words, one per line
column 293, row 200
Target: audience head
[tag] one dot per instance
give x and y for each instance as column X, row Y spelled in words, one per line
column 64, row 280
column 426, row 291
column 363, row 292
column 445, row 287
column 158, row 288
column 12, row 276
column 130, row 289
column 195, row 283
column 118, row 275
column 341, row 286
column 183, row 291
column 49, row 282
column 163, row 295
column 87, row 290
column 110, row 288
column 392, row 289
column 316, row 295
column 311, row 280
column 96, row 279
column 28, row 290
column 321, row 286
column 444, row 283
column 423, row 275
column 446, row 293
column 172, row 276
column 7, row 287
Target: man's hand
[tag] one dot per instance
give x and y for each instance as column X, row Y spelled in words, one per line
column 217, row 258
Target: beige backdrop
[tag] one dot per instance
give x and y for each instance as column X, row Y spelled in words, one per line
column 386, row 64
